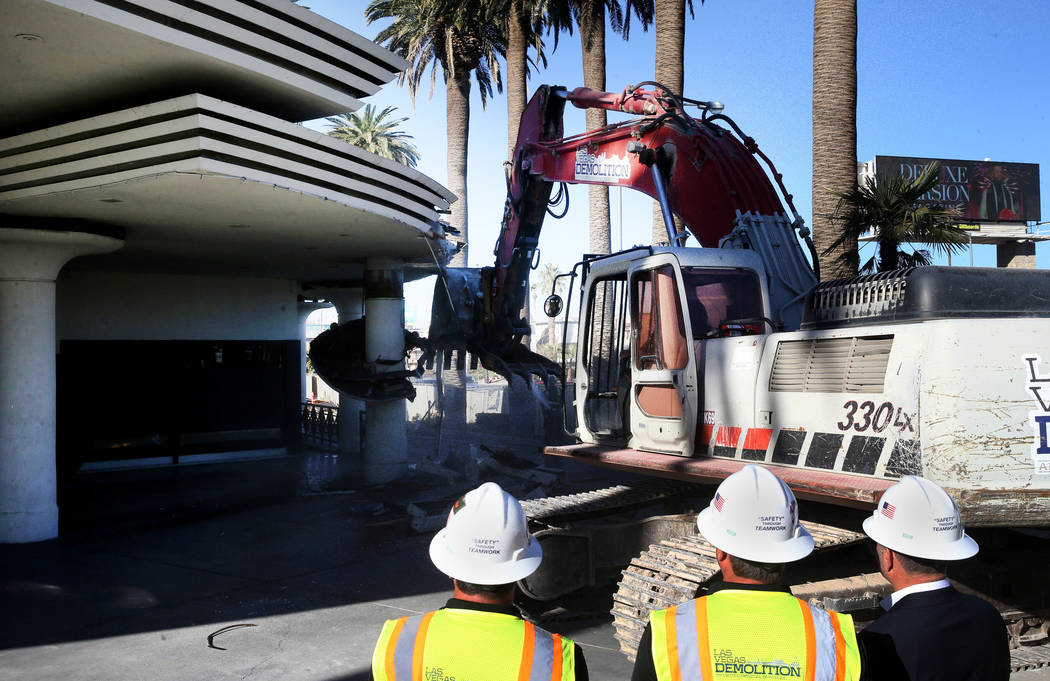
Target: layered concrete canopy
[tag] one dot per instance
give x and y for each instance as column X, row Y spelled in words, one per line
column 66, row 59
column 119, row 112
column 264, row 195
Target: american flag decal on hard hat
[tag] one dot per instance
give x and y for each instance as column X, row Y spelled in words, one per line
column 719, row 502
column 888, row 509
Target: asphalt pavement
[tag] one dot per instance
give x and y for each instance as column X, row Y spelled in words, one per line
column 150, row 563
column 287, row 565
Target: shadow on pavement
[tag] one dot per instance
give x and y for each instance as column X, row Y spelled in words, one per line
column 164, row 549
column 161, row 549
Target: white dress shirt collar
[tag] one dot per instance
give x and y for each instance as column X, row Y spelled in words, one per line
column 894, row 597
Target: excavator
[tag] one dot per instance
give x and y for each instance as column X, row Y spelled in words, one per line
column 693, row 361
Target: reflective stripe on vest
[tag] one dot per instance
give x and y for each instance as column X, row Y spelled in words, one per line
column 538, row 659
column 405, row 649
column 541, row 652
column 682, row 646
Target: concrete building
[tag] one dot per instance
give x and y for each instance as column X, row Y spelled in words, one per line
column 161, row 211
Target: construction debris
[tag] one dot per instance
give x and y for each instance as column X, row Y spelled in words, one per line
column 423, row 522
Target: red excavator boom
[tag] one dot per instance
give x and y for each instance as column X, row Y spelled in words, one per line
column 700, row 172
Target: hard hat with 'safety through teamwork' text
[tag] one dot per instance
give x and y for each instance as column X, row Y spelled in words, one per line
column 486, row 539
column 918, row 518
column 754, row 516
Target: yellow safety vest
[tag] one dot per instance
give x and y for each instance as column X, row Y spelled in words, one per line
column 470, row 645
column 745, row 635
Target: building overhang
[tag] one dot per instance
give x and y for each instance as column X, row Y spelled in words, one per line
column 66, row 59
column 201, row 185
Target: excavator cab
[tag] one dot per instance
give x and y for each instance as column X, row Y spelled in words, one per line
column 656, row 325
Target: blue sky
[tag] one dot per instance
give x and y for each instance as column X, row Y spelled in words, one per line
column 959, row 80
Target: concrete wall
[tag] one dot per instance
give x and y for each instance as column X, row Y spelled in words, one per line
column 132, row 306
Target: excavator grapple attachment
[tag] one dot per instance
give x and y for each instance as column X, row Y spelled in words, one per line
column 461, row 319
column 338, row 357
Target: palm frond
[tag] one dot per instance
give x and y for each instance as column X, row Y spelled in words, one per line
column 445, row 35
column 376, row 133
column 889, row 209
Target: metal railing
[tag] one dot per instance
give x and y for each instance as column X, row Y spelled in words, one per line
column 319, row 425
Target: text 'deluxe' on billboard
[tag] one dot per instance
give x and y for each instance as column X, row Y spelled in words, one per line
column 982, row 191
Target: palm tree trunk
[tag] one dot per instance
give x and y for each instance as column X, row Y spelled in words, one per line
column 457, row 114
column 517, row 72
column 669, row 21
column 592, row 38
column 888, row 252
column 517, row 75
column 834, row 123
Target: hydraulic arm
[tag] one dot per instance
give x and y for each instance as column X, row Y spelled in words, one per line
column 700, row 172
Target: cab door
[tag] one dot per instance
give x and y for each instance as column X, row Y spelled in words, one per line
column 663, row 404
column 603, row 364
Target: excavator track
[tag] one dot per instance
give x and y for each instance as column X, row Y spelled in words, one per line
column 672, row 572
column 1026, row 658
column 603, row 501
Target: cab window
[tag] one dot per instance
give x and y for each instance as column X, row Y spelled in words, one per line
column 723, row 302
column 660, row 342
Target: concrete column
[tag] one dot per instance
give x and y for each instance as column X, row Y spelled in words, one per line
column 1020, row 254
column 30, row 260
column 349, row 303
column 386, row 438
column 304, row 308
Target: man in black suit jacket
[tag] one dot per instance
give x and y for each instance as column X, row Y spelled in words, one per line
column 931, row 632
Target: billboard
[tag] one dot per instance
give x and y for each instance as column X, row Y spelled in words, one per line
column 982, row 191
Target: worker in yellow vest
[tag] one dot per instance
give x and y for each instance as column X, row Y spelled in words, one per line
column 749, row 626
column 485, row 547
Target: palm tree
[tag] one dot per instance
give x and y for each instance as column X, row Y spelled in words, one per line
column 590, row 16
column 462, row 38
column 889, row 207
column 375, row 133
column 834, row 127
column 525, row 23
column 669, row 22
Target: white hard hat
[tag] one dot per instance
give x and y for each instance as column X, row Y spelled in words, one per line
column 486, row 539
column 754, row 516
column 918, row 518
